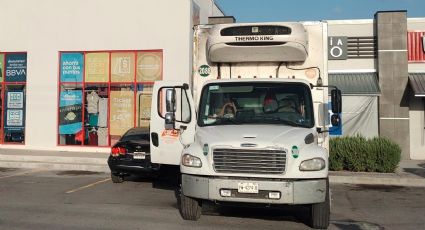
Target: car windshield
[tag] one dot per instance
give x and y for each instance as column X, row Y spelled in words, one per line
column 238, row 103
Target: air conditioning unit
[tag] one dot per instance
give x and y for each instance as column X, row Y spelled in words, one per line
column 243, row 42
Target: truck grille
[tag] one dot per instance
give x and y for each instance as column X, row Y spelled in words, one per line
column 255, row 161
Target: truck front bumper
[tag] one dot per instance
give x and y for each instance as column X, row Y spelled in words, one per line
column 307, row 191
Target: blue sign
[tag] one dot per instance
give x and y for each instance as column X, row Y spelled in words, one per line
column 70, row 111
column 71, row 67
column 16, row 67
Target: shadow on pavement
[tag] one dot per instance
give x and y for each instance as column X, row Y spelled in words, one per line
column 355, row 225
column 416, row 171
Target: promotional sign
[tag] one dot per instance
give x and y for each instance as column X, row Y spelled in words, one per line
column 337, row 47
column 1, row 67
column 16, row 67
column 122, row 67
column 14, row 110
column 97, row 67
column 71, row 67
column 121, row 111
column 15, row 117
column 15, row 100
column 149, row 66
column 70, row 111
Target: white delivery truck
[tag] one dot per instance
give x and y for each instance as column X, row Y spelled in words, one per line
column 255, row 130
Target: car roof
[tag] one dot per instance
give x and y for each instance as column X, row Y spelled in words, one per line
column 137, row 130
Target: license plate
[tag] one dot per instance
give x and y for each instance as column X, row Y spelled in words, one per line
column 247, row 187
column 139, row 155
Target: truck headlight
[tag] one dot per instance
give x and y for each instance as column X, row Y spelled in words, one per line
column 191, row 161
column 314, row 164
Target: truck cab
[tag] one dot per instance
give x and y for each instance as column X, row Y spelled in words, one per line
column 254, row 130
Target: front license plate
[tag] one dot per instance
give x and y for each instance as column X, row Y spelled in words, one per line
column 247, row 187
column 139, row 155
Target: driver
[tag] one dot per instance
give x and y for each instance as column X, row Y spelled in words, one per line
column 228, row 110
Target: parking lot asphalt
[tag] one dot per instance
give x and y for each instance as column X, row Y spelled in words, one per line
column 42, row 199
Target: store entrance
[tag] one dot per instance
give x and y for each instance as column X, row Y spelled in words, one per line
column 417, row 128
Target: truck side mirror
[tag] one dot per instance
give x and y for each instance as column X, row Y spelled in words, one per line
column 170, row 120
column 170, row 100
column 336, row 101
column 335, row 120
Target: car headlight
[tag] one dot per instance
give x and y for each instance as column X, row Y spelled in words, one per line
column 191, row 161
column 314, row 164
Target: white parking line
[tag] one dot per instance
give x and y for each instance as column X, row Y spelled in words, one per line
column 87, row 186
column 23, row 173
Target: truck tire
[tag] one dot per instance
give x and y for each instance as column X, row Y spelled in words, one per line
column 190, row 209
column 320, row 212
column 117, row 178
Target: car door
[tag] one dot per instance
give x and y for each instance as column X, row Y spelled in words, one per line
column 167, row 143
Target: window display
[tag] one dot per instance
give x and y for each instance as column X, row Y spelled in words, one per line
column 111, row 98
column 13, row 75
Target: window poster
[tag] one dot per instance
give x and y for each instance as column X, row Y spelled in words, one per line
column 1, row 67
column 122, row 69
column 121, row 111
column 16, row 67
column 71, row 67
column 149, row 66
column 97, row 67
column 70, row 111
column 15, row 100
column 14, row 110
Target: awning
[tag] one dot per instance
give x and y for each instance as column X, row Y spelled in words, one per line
column 417, row 82
column 365, row 84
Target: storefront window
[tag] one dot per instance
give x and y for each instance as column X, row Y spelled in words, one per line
column 13, row 77
column 107, row 93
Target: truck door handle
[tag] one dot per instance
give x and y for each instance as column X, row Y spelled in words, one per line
column 154, row 139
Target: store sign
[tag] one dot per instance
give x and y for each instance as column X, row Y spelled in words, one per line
column 337, row 48
column 71, row 68
column 1, row 67
column 70, row 111
column 16, row 67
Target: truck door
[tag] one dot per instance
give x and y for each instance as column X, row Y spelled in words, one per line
column 168, row 140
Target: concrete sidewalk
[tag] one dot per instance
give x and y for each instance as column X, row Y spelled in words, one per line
column 409, row 173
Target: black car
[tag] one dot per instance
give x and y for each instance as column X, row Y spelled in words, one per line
column 131, row 155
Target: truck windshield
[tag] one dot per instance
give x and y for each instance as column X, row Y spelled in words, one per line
column 239, row 103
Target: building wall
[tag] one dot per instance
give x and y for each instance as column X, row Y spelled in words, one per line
column 43, row 28
column 351, row 28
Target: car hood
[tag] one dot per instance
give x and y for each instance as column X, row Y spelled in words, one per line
column 260, row 136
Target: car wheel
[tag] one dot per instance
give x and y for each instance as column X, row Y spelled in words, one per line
column 190, row 209
column 320, row 212
column 117, row 178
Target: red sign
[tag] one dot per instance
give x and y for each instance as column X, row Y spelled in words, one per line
column 415, row 44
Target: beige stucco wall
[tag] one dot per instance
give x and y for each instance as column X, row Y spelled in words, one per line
column 43, row 28
column 351, row 28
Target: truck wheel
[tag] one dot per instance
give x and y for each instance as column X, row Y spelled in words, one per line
column 190, row 209
column 320, row 212
column 117, row 178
